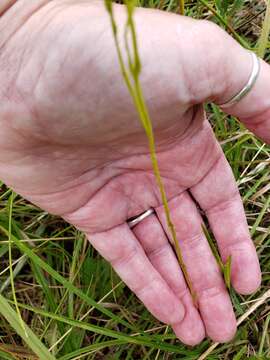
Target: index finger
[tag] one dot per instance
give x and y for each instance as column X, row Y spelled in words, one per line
column 218, row 196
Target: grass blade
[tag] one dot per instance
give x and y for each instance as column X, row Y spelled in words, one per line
column 24, row 331
column 10, row 206
column 72, row 289
column 129, row 339
column 264, row 334
column 263, row 40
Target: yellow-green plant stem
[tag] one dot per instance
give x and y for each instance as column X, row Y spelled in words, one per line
column 182, row 7
column 154, row 160
column 224, row 268
column 135, row 90
column 263, row 42
column 10, row 207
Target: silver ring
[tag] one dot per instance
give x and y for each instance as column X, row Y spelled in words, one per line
column 251, row 81
column 138, row 219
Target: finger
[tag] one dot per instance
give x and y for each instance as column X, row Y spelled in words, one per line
column 224, row 210
column 120, row 247
column 214, row 303
column 159, row 251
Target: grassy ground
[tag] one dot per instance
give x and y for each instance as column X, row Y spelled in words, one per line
column 71, row 298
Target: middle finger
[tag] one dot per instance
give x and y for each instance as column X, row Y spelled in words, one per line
column 151, row 235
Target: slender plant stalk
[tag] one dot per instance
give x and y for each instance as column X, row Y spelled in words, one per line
column 263, row 40
column 182, row 7
column 131, row 77
column 224, row 268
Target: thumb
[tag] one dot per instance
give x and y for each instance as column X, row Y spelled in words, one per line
column 253, row 110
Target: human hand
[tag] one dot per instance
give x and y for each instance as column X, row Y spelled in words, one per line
column 71, row 142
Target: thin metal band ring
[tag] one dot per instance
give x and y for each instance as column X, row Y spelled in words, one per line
column 251, row 81
column 138, row 219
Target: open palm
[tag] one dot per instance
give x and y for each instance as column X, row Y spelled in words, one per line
column 71, row 142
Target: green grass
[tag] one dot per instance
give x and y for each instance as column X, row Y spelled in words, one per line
column 58, row 276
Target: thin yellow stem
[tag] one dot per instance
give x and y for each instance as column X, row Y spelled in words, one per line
column 182, row 7
column 160, row 184
column 136, row 92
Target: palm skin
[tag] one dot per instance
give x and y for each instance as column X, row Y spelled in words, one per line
column 71, row 142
